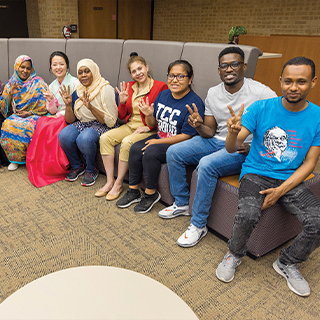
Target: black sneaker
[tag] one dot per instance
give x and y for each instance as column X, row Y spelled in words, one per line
column 89, row 178
column 130, row 197
column 147, row 202
column 74, row 174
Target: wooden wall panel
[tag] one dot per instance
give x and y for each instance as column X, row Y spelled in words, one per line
column 97, row 19
column 135, row 19
column 268, row 71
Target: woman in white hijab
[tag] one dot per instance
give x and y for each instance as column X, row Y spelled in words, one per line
column 90, row 111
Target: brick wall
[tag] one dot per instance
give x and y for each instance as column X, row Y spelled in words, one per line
column 46, row 18
column 33, row 18
column 193, row 20
column 211, row 20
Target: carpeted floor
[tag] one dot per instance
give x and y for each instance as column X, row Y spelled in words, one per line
column 63, row 225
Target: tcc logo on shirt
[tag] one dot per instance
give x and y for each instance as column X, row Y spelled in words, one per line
column 164, row 116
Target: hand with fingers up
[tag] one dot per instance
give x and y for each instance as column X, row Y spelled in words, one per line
column 145, row 108
column 123, row 92
column 15, row 88
column 48, row 95
column 86, row 100
column 194, row 118
column 234, row 123
column 65, row 95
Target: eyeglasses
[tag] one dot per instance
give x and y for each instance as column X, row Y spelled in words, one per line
column 179, row 77
column 235, row 65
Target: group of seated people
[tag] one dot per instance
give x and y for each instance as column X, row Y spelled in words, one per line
column 54, row 128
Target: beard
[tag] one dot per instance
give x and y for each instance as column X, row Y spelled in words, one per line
column 293, row 101
column 232, row 82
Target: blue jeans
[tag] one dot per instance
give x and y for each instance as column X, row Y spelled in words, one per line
column 299, row 201
column 71, row 141
column 212, row 160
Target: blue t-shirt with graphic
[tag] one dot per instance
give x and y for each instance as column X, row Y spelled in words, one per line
column 172, row 114
column 281, row 138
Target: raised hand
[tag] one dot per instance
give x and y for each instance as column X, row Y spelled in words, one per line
column 86, row 99
column 123, row 92
column 15, row 88
column 194, row 118
column 65, row 95
column 145, row 108
column 48, row 95
column 234, row 123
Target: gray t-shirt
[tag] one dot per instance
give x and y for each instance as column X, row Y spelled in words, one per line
column 218, row 98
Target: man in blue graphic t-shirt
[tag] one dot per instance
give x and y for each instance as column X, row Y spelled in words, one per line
column 285, row 149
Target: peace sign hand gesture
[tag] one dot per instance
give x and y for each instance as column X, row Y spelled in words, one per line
column 123, row 92
column 234, row 123
column 65, row 95
column 194, row 118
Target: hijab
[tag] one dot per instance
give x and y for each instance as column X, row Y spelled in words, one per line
column 95, row 87
column 30, row 95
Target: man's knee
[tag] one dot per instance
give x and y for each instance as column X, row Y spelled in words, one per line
column 250, row 209
column 244, row 222
column 312, row 222
column 174, row 154
column 206, row 166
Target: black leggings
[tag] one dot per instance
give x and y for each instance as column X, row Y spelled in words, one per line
column 148, row 162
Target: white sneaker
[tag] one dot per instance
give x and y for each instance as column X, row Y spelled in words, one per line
column 174, row 211
column 13, row 166
column 192, row 236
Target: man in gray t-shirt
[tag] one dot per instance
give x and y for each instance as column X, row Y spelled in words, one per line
column 207, row 150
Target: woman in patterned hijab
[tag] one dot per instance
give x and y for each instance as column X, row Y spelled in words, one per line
column 22, row 102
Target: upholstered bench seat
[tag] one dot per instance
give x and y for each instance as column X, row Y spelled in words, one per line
column 276, row 225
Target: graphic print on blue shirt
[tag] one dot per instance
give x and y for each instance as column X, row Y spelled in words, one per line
column 172, row 115
column 276, row 142
column 281, row 138
column 167, row 127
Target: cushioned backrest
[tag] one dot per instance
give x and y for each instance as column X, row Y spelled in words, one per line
column 251, row 58
column 39, row 50
column 106, row 53
column 4, row 67
column 204, row 59
column 158, row 55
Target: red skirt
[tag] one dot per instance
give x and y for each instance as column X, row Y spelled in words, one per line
column 46, row 161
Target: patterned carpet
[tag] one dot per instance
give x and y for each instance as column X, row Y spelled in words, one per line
column 63, row 225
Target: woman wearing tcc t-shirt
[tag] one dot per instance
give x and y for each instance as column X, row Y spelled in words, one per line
column 170, row 113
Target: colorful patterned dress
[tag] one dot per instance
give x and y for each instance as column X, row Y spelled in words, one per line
column 16, row 132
